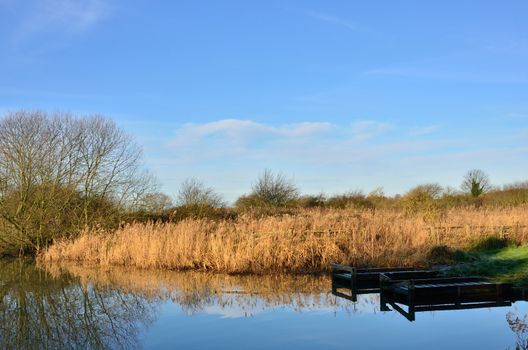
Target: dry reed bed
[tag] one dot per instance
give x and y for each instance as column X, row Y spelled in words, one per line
column 307, row 242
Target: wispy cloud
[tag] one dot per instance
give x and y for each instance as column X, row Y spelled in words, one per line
column 14, row 91
column 306, row 142
column 449, row 74
column 424, row 130
column 64, row 16
column 367, row 129
column 357, row 153
column 514, row 117
column 243, row 132
column 522, row 134
column 475, row 65
column 473, row 156
column 334, row 20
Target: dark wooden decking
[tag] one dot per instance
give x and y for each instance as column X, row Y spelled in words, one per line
column 409, row 291
column 443, row 294
column 367, row 280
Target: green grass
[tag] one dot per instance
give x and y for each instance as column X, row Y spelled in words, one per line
column 506, row 264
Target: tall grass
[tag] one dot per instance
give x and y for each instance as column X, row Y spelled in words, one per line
column 306, row 242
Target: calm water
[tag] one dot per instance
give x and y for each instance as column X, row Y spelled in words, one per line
column 74, row 307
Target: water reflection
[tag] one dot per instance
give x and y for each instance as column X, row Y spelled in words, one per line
column 197, row 292
column 41, row 311
column 520, row 327
column 69, row 306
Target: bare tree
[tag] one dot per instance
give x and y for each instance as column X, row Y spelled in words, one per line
column 194, row 193
column 109, row 164
column 59, row 173
column 274, row 189
column 155, row 202
column 476, row 182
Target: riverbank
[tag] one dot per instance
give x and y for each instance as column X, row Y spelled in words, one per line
column 501, row 260
column 303, row 243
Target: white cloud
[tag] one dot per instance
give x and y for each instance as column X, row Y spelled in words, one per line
column 367, row 129
column 305, row 129
column 322, row 156
column 310, row 143
column 244, row 132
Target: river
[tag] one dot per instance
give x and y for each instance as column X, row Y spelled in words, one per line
column 69, row 306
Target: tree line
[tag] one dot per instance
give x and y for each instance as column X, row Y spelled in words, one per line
column 274, row 193
column 61, row 173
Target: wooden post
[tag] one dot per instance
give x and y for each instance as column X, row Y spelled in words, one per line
column 353, row 284
column 500, row 296
column 410, row 299
column 383, row 297
column 353, row 278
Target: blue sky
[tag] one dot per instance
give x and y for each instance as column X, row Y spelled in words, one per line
column 338, row 95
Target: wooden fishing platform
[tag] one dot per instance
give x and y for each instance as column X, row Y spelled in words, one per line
column 443, row 294
column 366, row 281
column 409, row 291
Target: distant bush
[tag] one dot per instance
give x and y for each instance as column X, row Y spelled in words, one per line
column 455, row 200
column 200, row 212
column 519, row 185
column 194, row 193
column 155, row 203
column 312, row 201
column 270, row 191
column 422, row 197
column 354, row 199
column 378, row 199
column 509, row 196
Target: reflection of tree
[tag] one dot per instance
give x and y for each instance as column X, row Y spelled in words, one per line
column 39, row 311
column 520, row 327
column 195, row 292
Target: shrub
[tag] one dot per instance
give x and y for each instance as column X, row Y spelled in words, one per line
column 194, row 193
column 489, row 243
column 200, row 212
column 312, row 201
column 440, row 254
column 422, row 197
column 270, row 191
column 354, row 199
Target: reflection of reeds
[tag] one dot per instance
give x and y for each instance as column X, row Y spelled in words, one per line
column 196, row 291
column 520, row 327
column 305, row 242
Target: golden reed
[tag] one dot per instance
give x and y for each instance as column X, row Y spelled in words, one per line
column 303, row 243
